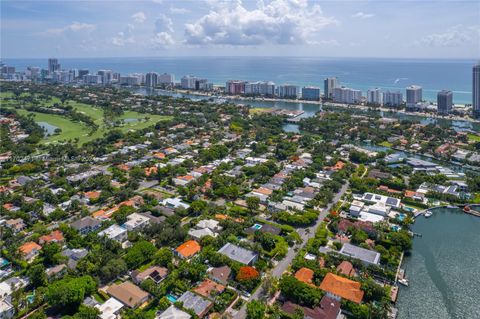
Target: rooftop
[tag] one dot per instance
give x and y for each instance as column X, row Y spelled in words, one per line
column 365, row 255
column 237, row 253
column 342, row 287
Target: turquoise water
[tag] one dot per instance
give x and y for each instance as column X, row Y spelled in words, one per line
column 443, row 268
column 389, row 74
column 171, row 298
column 49, row 128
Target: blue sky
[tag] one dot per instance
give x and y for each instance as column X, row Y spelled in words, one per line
column 335, row 28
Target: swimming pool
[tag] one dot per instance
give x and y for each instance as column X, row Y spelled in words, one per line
column 257, row 226
column 171, row 298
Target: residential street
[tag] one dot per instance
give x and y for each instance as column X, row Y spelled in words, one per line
column 282, row 265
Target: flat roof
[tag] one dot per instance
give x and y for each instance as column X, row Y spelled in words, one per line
column 237, row 253
column 365, row 255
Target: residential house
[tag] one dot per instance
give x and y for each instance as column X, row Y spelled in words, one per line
column 368, row 257
column 55, row 236
column 30, row 250
column 242, row 255
column 155, row 273
column 86, row 225
column 114, row 232
column 173, row 312
column 198, row 304
column 188, row 249
column 129, row 294
column 337, row 287
column 110, row 309
column 220, row 274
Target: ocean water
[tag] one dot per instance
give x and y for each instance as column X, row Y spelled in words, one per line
column 388, row 74
column 443, row 268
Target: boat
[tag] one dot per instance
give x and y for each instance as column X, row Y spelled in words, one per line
column 403, row 281
column 428, row 214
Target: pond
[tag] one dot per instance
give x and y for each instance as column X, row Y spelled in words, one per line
column 48, row 128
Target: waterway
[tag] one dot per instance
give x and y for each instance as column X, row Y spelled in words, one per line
column 310, row 109
column 443, row 268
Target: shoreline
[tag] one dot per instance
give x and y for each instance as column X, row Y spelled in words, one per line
column 328, row 103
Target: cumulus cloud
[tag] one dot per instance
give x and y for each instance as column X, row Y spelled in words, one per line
column 164, row 24
column 139, row 17
column 74, row 27
column 162, row 39
column 363, row 15
column 278, row 22
column 454, row 36
column 125, row 37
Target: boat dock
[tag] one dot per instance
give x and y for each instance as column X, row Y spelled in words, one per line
column 470, row 211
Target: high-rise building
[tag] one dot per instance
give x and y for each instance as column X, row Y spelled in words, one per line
column 329, row 84
column 414, row 95
column 203, row 85
column 53, row 65
column 106, row 76
column 130, row 80
column 188, row 82
column 444, row 102
column 476, row 90
column 375, row 96
column 8, row 69
column 92, row 79
column 82, row 72
column 166, row 78
column 311, row 93
column 151, row 79
column 33, row 73
column 393, row 99
column 288, row 91
column 235, row 87
column 260, row 88
column 347, row 95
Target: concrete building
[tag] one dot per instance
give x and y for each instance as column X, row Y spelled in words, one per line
column 444, row 102
column 347, row 95
column 288, row 91
column 260, row 88
column 82, row 72
column 92, row 79
column 375, row 96
column 235, row 87
column 130, row 80
column 476, row 90
column 393, row 99
column 311, row 93
column 114, row 232
column 414, row 95
column 328, row 85
column 53, row 65
column 166, row 79
column 151, row 79
column 106, row 76
column 188, row 82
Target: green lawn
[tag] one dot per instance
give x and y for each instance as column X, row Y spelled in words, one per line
column 473, row 137
column 386, row 144
column 71, row 130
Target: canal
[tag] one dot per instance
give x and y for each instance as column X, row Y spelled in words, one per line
column 443, row 268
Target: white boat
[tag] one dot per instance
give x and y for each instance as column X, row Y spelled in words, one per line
column 428, row 214
column 403, row 281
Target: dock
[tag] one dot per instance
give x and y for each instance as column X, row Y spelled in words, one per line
column 470, row 211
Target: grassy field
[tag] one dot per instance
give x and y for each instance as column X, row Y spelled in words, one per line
column 72, row 130
column 259, row 110
column 386, row 144
column 473, row 137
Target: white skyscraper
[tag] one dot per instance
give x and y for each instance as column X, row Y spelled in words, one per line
column 188, row 82
column 414, row 95
column 288, row 91
column 375, row 96
column 151, row 79
column 392, row 98
column 329, row 84
column 166, row 78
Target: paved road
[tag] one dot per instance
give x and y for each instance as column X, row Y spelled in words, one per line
column 283, row 264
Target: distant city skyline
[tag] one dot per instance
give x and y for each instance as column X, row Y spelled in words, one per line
column 387, row 29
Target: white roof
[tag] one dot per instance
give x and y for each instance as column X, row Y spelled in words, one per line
column 208, row 223
column 369, row 217
column 173, row 313
column 112, row 231
column 109, row 308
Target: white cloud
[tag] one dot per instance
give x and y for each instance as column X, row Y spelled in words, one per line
column 363, row 15
column 123, row 38
column 74, row 27
column 278, row 22
column 175, row 10
column 162, row 39
column 164, row 24
column 139, row 17
column 454, row 36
